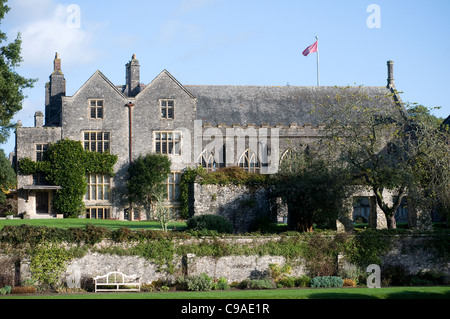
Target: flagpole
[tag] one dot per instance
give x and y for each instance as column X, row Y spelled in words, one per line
column 317, row 38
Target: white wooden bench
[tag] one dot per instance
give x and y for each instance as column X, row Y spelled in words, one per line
column 117, row 281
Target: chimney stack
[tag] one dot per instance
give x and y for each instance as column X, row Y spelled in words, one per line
column 38, row 119
column 132, row 76
column 55, row 89
column 57, row 63
column 390, row 80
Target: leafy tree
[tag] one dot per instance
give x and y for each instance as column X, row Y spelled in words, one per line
column 312, row 188
column 7, row 176
column 147, row 175
column 429, row 148
column 11, row 83
column 422, row 114
column 384, row 148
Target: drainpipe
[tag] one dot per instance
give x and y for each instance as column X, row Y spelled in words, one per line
column 130, row 135
column 130, row 147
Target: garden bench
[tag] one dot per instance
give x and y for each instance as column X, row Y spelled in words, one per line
column 117, row 281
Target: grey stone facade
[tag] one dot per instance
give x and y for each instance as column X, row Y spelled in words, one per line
column 248, row 126
column 241, row 205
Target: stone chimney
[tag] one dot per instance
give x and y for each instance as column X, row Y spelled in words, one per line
column 38, row 119
column 57, row 63
column 55, row 89
column 390, row 79
column 132, row 76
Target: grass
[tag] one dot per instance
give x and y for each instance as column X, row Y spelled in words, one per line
column 80, row 222
column 299, row 293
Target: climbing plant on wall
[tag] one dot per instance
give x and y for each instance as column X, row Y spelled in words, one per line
column 66, row 164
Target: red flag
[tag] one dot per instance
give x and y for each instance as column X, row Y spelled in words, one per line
column 311, row 49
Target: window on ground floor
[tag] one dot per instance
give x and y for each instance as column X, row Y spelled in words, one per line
column 98, row 212
column 173, row 186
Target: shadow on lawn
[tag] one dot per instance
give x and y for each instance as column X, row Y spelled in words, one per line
column 393, row 295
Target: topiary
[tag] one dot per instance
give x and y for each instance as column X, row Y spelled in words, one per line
column 210, row 222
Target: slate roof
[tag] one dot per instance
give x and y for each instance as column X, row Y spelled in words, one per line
column 273, row 104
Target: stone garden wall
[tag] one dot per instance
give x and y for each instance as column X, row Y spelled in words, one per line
column 240, row 204
column 410, row 252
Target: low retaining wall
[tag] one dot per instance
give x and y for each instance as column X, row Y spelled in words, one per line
column 411, row 252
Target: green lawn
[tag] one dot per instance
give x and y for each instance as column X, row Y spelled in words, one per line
column 79, row 222
column 303, row 293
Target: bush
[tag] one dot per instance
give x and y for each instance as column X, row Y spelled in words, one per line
column 395, row 275
column 427, row 278
column 222, row 284
column 201, row 282
column 210, row 222
column 5, row 290
column 349, row 283
column 327, row 282
column 287, row 282
column 303, row 281
column 23, row 290
column 256, row 284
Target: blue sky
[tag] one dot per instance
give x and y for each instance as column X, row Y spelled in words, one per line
column 231, row 42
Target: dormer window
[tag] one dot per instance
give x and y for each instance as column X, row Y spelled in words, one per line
column 96, row 109
column 167, row 109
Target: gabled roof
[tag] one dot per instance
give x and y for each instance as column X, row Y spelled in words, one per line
column 103, row 77
column 166, row 73
column 273, row 104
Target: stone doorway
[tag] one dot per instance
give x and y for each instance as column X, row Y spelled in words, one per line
column 42, row 202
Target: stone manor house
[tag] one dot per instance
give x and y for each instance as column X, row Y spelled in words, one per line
column 253, row 127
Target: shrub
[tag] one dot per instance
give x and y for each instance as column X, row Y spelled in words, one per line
column 279, row 272
column 303, row 281
column 23, row 290
column 5, row 290
column 327, row 281
column 349, row 283
column 256, row 284
column 287, row 282
column 395, row 275
column 222, row 284
column 210, row 222
column 427, row 278
column 47, row 264
column 201, row 282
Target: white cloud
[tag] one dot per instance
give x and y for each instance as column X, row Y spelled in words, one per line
column 48, row 28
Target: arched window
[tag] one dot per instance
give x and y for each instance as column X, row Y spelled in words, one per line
column 207, row 160
column 249, row 162
column 288, row 154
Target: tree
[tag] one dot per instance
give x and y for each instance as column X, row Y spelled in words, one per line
column 384, row 148
column 429, row 146
column 163, row 213
column 313, row 189
column 11, row 83
column 366, row 134
column 7, row 176
column 147, row 175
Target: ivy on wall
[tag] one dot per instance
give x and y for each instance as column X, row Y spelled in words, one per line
column 66, row 164
column 224, row 176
